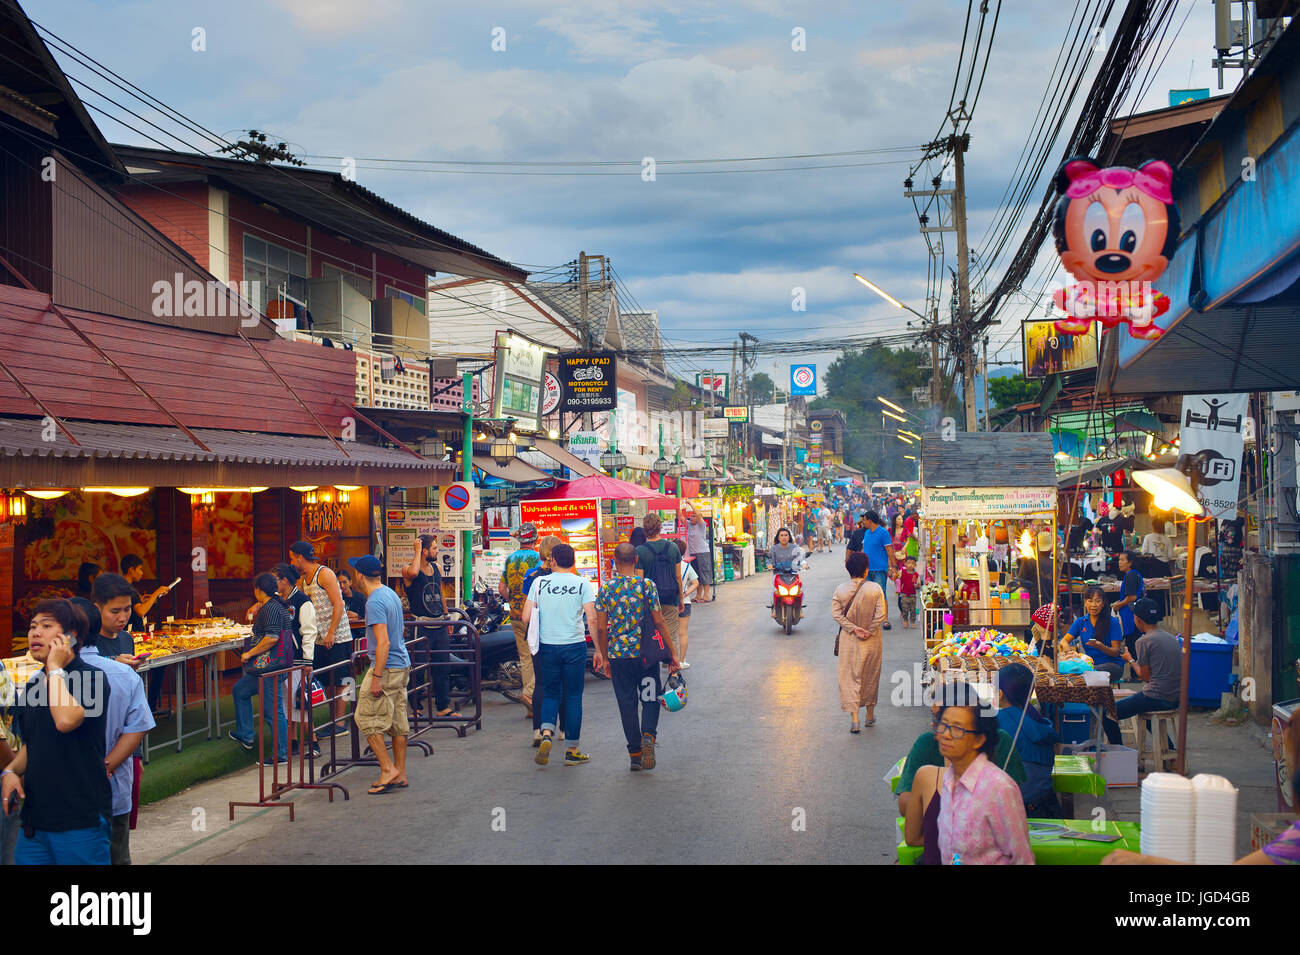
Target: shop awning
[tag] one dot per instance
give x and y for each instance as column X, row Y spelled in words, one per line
column 1094, row 471
column 561, row 456
column 128, row 455
column 638, row 462
column 515, row 470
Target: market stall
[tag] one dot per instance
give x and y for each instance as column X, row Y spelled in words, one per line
column 975, row 489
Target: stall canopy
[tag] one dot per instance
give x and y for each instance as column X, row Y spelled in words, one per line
column 987, row 474
column 598, row 485
column 561, row 456
column 130, row 455
column 515, row 471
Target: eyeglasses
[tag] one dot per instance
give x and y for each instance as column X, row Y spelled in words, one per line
column 956, row 732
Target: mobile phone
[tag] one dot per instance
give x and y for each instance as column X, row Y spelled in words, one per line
column 143, row 656
column 13, row 802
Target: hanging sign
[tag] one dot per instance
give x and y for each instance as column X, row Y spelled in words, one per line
column 1212, row 433
column 586, row 445
column 739, row 413
column 714, row 427
column 948, row 503
column 550, row 394
column 459, row 504
column 520, row 373
column 1116, row 230
column 589, row 381
column 713, row 383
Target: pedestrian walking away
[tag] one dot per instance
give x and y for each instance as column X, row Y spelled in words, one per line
column 858, row 606
column 565, row 606
column 882, row 564
column 697, row 547
column 629, row 628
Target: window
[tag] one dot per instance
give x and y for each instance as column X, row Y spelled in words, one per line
column 415, row 301
column 272, row 266
column 358, row 282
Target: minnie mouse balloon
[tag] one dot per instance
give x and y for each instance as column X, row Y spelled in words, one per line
column 1116, row 230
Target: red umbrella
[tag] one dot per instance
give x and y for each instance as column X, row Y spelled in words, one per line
column 597, row 485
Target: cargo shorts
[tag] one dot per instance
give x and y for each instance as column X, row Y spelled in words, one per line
column 385, row 714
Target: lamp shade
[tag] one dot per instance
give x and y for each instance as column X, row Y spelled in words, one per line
column 1171, row 489
column 661, row 465
column 612, row 460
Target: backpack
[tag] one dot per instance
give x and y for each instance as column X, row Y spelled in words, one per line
column 662, row 569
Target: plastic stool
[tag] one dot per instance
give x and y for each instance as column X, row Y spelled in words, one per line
column 1160, row 756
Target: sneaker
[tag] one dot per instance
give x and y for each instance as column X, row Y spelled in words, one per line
column 685, row 665
column 647, row 751
column 271, row 761
column 635, row 763
column 246, row 744
column 543, row 751
column 329, row 729
column 537, row 738
column 574, row 758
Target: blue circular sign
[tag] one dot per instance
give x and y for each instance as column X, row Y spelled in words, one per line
column 456, row 497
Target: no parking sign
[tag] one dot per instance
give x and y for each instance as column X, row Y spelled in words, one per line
column 459, row 504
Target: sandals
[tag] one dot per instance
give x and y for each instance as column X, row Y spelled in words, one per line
column 383, row 789
column 854, row 727
column 454, row 715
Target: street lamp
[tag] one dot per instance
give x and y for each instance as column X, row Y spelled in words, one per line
column 911, row 434
column 887, row 297
column 502, row 450
column 1175, row 489
column 896, row 417
column 661, row 466
column 612, row 460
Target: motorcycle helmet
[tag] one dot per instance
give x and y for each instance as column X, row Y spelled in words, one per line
column 674, row 697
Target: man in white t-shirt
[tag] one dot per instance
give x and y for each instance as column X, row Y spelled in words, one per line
column 565, row 604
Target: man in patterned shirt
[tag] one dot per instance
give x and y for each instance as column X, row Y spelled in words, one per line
column 634, row 669
column 517, row 567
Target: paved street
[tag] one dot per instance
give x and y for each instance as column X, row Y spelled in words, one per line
column 762, row 736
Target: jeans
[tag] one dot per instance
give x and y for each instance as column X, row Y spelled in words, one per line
column 74, row 847
column 155, row 680
column 433, row 652
column 119, row 846
column 249, row 686
column 880, row 577
column 564, row 667
column 636, row 685
column 1132, row 706
column 9, row 826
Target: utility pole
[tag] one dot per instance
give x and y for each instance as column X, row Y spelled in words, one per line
column 730, row 394
column 958, row 145
column 747, row 358
column 984, row 368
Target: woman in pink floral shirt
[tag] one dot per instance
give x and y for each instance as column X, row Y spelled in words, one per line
column 981, row 813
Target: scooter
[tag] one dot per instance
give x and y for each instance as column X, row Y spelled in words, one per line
column 787, row 595
column 487, row 611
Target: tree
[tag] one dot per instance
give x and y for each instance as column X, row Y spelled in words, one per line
column 1012, row 390
column 762, row 388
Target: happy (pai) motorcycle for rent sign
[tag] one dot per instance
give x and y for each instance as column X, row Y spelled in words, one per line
column 589, row 381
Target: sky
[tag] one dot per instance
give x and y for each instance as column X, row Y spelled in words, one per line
column 545, row 81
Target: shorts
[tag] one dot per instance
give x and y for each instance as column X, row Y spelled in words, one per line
column 324, row 656
column 703, row 564
column 907, row 604
column 385, row 714
column 685, row 611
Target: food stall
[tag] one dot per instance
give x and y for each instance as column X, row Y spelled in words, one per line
column 979, row 486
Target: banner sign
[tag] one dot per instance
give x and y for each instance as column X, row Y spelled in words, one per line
column 404, row 528
column 586, row 445
column 1049, row 352
column 519, row 380
column 1212, row 431
column 803, row 379
column 738, row 413
column 589, row 381
column 714, row 427
column 949, row 503
column 575, row 522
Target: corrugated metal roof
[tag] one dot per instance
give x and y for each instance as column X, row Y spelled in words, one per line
column 988, row 459
column 25, row 437
column 307, row 193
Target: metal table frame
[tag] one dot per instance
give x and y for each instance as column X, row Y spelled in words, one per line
column 211, row 691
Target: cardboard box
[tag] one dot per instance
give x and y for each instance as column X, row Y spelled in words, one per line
column 1118, row 765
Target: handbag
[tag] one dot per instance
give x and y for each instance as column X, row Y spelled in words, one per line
column 535, row 631
column 852, row 601
column 279, row 657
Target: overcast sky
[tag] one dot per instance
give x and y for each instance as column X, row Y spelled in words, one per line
column 619, row 80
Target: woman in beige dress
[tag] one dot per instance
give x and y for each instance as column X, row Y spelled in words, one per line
column 858, row 606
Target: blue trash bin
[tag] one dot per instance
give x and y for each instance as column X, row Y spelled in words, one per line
column 1211, row 673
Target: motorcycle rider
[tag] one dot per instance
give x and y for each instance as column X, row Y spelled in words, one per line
column 784, row 551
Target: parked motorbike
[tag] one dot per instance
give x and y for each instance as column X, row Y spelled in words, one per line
column 787, row 595
column 487, row 611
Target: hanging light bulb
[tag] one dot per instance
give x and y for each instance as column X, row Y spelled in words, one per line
column 304, row 488
column 46, row 495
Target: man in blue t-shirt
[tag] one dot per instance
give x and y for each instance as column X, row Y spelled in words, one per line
column 881, row 562
column 565, row 603
column 381, row 695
